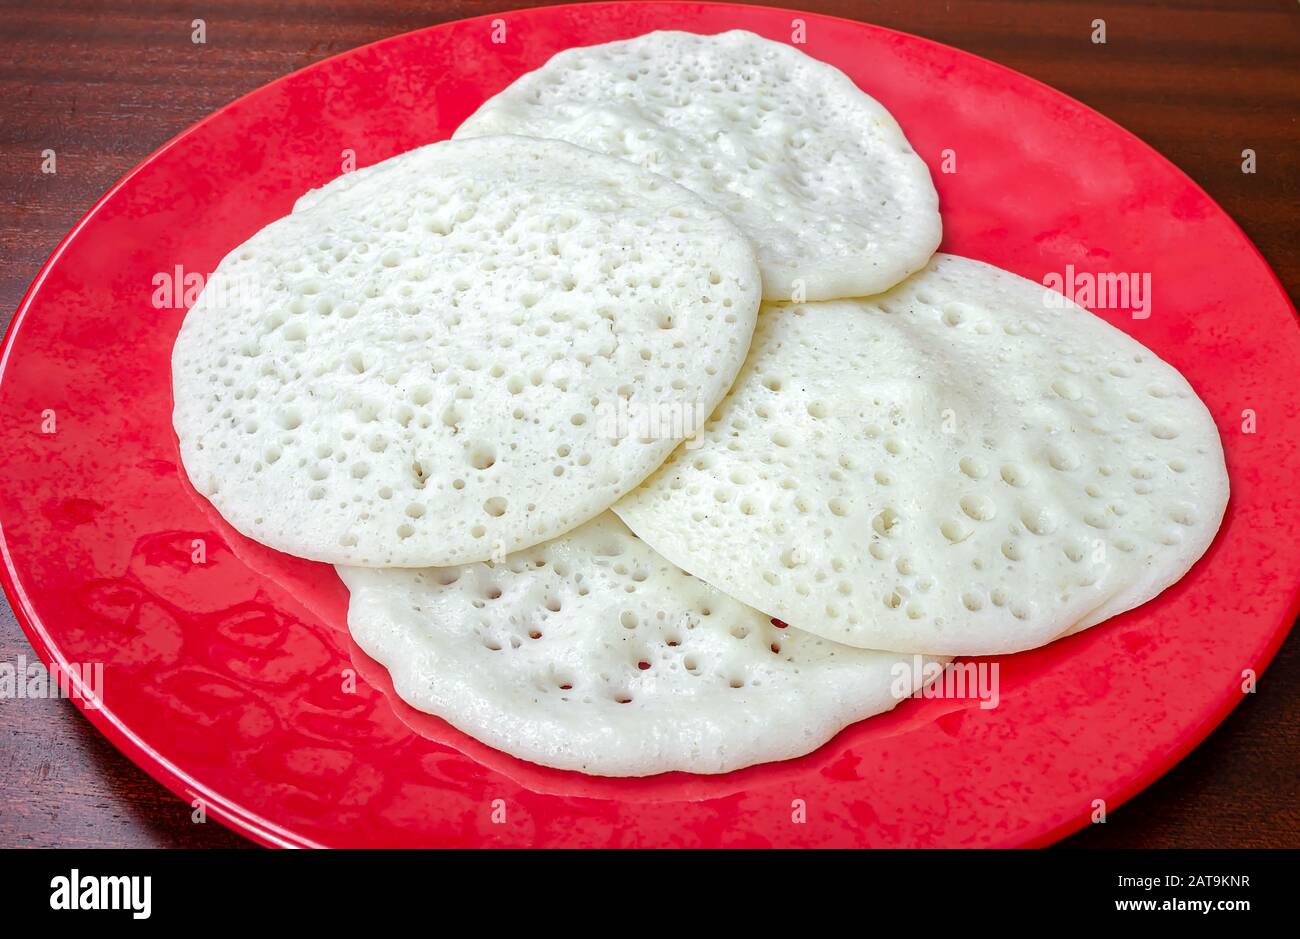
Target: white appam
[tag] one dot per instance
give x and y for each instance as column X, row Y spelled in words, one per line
column 428, row 366
column 592, row 653
column 817, row 173
column 967, row 465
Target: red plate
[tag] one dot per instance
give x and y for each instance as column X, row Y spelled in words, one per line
column 230, row 680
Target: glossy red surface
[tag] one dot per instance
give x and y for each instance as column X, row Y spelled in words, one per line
column 232, row 680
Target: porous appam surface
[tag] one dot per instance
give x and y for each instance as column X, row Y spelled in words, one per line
column 967, row 465
column 426, row 366
column 593, row 653
column 816, row 172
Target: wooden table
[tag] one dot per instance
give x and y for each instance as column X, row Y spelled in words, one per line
column 105, row 83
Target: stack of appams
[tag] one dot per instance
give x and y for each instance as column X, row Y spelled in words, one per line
column 448, row 373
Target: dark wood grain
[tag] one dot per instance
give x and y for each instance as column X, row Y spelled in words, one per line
column 105, row 83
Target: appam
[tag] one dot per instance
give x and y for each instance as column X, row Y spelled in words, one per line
column 593, row 653
column 427, row 366
column 816, row 172
column 969, row 464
